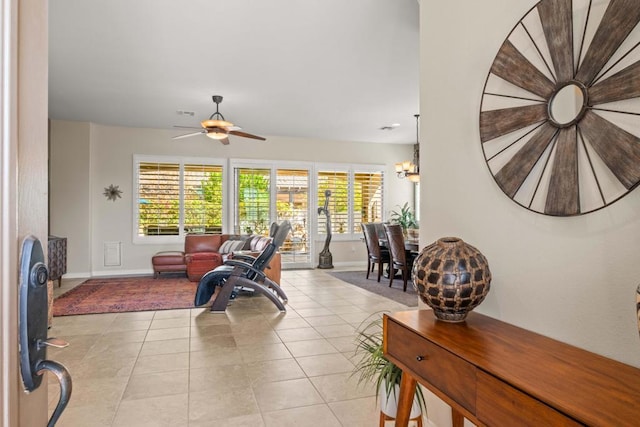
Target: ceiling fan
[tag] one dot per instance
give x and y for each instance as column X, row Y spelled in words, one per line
column 216, row 127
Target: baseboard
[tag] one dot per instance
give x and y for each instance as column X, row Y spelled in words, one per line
column 76, row 275
column 356, row 264
column 107, row 273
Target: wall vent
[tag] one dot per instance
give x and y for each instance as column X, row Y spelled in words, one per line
column 112, row 254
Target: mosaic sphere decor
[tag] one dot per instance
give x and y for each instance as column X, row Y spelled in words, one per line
column 452, row 277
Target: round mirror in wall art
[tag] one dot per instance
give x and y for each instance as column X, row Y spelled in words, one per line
column 567, row 105
column 560, row 110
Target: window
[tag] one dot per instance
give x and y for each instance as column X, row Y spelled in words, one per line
column 176, row 197
column 335, row 184
column 253, row 201
column 367, row 199
column 267, row 191
column 356, row 196
column 292, row 203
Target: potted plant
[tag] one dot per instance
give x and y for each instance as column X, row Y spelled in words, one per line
column 372, row 366
column 404, row 217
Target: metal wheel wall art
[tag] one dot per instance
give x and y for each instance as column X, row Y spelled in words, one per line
column 560, row 114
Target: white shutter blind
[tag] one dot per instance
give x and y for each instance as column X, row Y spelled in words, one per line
column 292, row 203
column 202, row 188
column 367, row 198
column 338, row 183
column 158, row 198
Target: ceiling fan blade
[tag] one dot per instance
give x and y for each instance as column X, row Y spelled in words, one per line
column 224, row 141
column 246, row 135
column 216, row 130
column 185, row 127
column 188, row 134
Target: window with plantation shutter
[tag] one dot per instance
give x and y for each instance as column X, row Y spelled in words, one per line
column 175, row 197
column 356, row 197
column 337, row 182
column 202, row 188
column 158, row 199
column 367, row 198
column 292, row 204
column 253, row 201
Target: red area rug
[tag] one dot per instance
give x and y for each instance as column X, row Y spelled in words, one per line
column 124, row 294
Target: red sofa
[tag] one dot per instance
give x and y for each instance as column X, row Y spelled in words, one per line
column 204, row 252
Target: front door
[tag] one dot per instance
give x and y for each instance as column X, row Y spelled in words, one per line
column 23, row 185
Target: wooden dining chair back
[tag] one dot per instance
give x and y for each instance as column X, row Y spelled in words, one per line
column 400, row 260
column 375, row 254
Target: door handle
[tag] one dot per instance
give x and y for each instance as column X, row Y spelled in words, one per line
column 32, row 323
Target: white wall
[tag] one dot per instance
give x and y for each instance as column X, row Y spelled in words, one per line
column 572, row 279
column 69, row 185
column 86, row 158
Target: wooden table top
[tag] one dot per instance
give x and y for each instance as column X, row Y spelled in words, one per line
column 590, row 388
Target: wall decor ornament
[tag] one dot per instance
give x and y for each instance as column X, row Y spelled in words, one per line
column 452, row 277
column 560, row 114
column 112, row 192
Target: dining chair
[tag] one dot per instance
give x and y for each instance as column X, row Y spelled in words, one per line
column 375, row 254
column 401, row 259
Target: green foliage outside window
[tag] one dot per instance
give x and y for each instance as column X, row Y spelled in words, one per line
column 254, row 201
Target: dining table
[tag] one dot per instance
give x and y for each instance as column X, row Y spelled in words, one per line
column 412, row 246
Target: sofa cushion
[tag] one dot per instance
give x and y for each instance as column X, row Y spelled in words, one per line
column 168, row 258
column 203, row 242
column 196, row 256
column 258, row 243
column 231, row 245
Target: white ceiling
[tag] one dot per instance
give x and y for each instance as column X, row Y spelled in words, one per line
column 328, row 69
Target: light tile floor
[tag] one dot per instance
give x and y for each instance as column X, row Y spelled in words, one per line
column 252, row 366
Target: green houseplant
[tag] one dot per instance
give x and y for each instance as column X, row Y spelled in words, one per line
column 404, row 217
column 372, row 366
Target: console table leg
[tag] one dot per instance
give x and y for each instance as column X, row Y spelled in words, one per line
column 457, row 419
column 405, row 400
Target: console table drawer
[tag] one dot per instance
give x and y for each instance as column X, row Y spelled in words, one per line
column 442, row 369
column 499, row 404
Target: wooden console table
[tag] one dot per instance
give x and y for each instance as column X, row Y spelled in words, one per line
column 496, row 374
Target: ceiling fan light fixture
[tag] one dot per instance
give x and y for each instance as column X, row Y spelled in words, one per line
column 216, row 127
column 215, row 123
column 216, row 135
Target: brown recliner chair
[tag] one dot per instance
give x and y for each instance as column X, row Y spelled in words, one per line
column 236, row 275
column 256, row 245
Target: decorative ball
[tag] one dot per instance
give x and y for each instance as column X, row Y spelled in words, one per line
column 452, row 277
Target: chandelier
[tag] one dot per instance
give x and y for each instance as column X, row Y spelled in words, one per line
column 411, row 169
